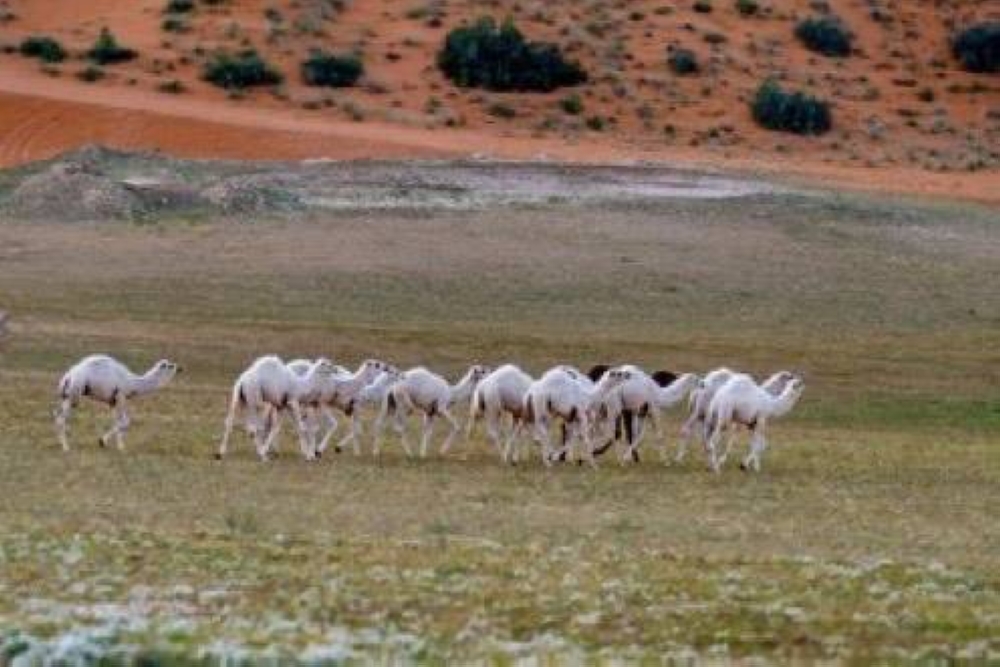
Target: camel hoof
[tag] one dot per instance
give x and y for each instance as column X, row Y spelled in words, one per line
column 744, row 467
column 338, row 450
column 101, row 443
column 218, row 456
column 562, row 457
column 319, row 455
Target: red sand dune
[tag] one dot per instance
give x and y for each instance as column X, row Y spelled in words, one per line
column 42, row 115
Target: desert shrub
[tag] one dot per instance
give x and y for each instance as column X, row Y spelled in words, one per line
column 978, row 47
column 90, row 74
column 703, row 6
column 107, row 50
column 825, row 35
column 327, row 69
column 43, row 48
column 500, row 58
column 572, row 105
column 172, row 87
column 179, row 6
column 174, row 24
column 683, row 61
column 596, row 123
column 747, row 7
column 241, row 70
column 797, row 112
column 501, row 110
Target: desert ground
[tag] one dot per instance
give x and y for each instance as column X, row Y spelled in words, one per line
column 870, row 535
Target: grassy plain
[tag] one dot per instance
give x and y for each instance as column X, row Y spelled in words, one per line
column 871, row 533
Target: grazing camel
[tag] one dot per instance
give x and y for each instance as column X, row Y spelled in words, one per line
column 418, row 389
column 568, row 394
column 262, row 392
column 702, row 396
column 106, row 380
column 642, row 396
column 501, row 393
column 742, row 401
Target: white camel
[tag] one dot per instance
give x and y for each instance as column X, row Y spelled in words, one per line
column 262, row 392
column 342, row 392
column 501, row 393
column 742, row 401
column 701, row 397
column 642, row 396
column 564, row 392
column 314, row 413
column 106, row 380
column 419, row 389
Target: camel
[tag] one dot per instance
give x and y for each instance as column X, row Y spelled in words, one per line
column 419, row 389
column 642, row 396
column 701, row 397
column 262, row 392
column 501, row 393
column 342, row 392
column 742, row 401
column 568, row 394
column 106, row 380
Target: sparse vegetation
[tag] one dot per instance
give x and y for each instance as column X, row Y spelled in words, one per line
column 90, row 74
column 572, row 105
column 683, row 61
column 245, row 69
column 330, row 70
column 825, row 35
column 107, row 50
column 500, row 58
column 172, row 87
column 703, row 6
column 501, row 110
column 978, row 47
column 44, row 48
column 747, row 7
column 796, row 112
column 179, row 7
column 174, row 24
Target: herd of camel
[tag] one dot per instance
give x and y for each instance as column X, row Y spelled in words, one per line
column 593, row 410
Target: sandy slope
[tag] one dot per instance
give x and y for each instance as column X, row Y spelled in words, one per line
column 41, row 115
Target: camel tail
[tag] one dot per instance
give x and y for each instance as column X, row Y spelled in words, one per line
column 529, row 409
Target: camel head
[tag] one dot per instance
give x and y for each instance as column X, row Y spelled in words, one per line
column 164, row 371
column 323, row 367
column 777, row 382
column 372, row 368
column 477, row 372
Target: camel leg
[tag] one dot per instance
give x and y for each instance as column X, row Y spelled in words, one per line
column 588, row 443
column 121, row 424
column 353, row 436
column 62, row 413
column 269, row 434
column 712, row 445
column 731, row 434
column 427, row 432
column 307, row 444
column 331, row 428
column 757, row 446
column 456, row 428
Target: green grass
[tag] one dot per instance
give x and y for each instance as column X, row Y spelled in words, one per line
column 870, row 535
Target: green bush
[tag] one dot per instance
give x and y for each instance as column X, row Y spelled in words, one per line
column 683, row 61
column 242, row 70
column 825, row 35
column 174, row 24
column 43, row 48
column 747, row 7
column 107, row 50
column 572, row 105
column 797, row 112
column 179, row 7
column 326, row 69
column 500, row 58
column 703, row 6
column 978, row 47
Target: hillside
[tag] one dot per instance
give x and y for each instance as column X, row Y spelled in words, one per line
column 904, row 113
